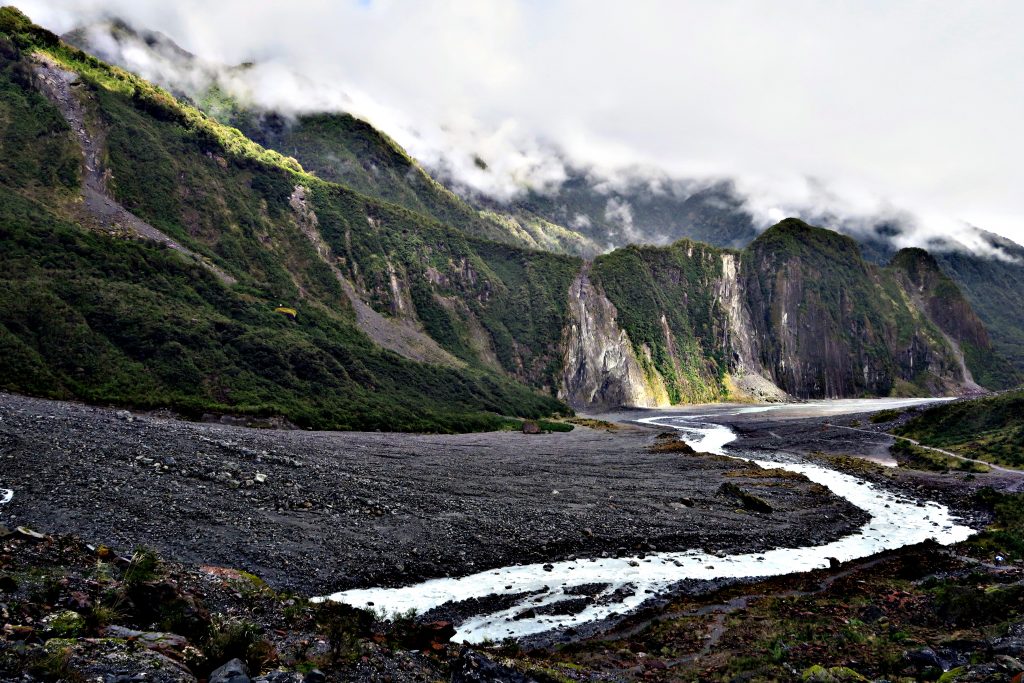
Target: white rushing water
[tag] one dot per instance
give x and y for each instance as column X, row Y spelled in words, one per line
column 896, row 521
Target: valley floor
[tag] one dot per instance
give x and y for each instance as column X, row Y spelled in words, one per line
column 324, row 511
column 314, row 512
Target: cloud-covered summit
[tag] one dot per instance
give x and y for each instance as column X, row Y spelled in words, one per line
column 865, row 111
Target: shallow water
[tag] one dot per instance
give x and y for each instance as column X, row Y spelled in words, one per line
column 895, row 521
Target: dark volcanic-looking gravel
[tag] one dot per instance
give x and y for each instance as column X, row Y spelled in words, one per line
column 322, row 511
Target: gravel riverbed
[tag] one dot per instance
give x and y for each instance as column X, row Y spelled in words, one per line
column 322, row 511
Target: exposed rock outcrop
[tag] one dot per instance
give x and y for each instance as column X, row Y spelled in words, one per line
column 600, row 368
column 797, row 313
column 396, row 334
column 748, row 378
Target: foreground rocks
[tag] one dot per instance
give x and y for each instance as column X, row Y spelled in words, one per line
column 76, row 611
column 921, row 614
column 70, row 611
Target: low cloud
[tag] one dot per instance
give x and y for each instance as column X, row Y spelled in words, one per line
column 858, row 111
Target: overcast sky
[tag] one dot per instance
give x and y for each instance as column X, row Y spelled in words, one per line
column 916, row 106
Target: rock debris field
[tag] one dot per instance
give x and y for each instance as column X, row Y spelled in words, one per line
column 318, row 512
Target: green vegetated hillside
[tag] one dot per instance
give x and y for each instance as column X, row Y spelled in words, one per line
column 990, row 428
column 799, row 308
column 588, row 213
column 952, row 313
column 343, row 149
column 93, row 315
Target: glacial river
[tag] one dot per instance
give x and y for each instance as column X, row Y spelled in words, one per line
column 627, row 582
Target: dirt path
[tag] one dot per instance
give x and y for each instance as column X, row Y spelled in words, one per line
column 57, row 85
column 951, row 454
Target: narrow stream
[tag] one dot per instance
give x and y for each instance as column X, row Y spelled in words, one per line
column 619, row 585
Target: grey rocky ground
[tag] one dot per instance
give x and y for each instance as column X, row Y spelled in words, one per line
column 321, row 511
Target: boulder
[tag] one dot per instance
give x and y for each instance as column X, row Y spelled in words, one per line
column 530, row 427
column 170, row 644
column 234, row 671
column 286, row 677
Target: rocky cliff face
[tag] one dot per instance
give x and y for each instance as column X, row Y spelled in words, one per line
column 749, row 379
column 798, row 313
column 600, row 366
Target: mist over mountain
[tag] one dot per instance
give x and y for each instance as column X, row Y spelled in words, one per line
column 516, row 134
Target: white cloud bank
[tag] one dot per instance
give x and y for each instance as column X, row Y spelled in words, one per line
column 867, row 107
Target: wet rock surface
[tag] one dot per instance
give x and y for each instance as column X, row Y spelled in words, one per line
column 320, row 511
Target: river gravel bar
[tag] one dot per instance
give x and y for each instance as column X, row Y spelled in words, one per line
column 318, row 512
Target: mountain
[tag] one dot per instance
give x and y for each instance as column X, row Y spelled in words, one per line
column 994, row 286
column 640, row 207
column 798, row 312
column 337, row 146
column 154, row 256
column 587, row 214
column 146, row 248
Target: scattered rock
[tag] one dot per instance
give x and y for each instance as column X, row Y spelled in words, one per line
column 749, row 500
column 234, row 671
column 315, row 676
column 169, row 644
column 925, row 660
column 25, row 532
column 287, row 677
column 473, row 667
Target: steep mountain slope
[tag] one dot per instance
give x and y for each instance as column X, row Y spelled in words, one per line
column 90, row 314
column 995, row 289
column 587, row 214
column 834, row 325
column 148, row 248
column 335, row 146
column 945, row 305
column 345, row 150
column 640, row 208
